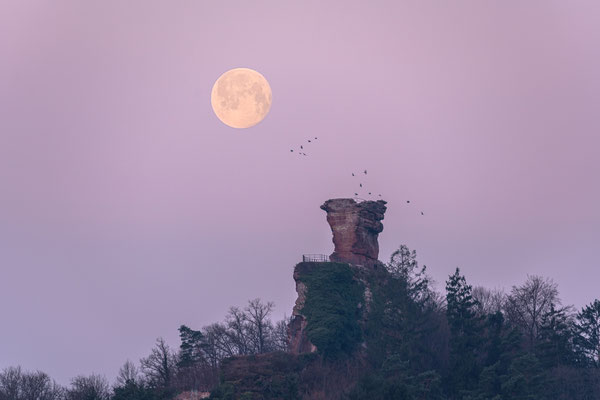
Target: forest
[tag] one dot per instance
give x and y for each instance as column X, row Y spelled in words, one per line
column 469, row 343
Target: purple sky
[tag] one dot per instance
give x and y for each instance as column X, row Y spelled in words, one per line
column 127, row 208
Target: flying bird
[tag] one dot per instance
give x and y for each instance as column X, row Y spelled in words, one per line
column 369, row 193
column 301, row 147
column 365, row 171
column 407, row 201
column 353, row 174
column 356, row 194
column 422, row 213
column 379, row 195
column 292, row 151
column 308, row 140
column 361, row 185
column 315, row 138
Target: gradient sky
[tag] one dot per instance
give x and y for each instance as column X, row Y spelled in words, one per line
column 127, row 208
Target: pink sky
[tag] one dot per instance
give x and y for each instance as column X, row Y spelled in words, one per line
column 127, row 208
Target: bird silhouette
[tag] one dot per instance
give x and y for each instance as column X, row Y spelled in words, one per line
column 316, row 138
column 361, row 185
column 353, row 174
column 308, row 140
column 407, row 201
column 356, row 194
column 369, row 193
column 301, row 147
column 422, row 213
column 292, row 151
column 365, row 171
column 379, row 195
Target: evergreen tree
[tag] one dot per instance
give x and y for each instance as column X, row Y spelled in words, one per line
column 587, row 339
column 555, row 343
column 466, row 333
column 525, row 380
column 190, row 350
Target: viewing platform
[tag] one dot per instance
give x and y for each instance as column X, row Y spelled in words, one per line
column 315, row 258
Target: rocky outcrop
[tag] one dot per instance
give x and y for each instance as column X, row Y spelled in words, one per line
column 355, row 228
column 298, row 341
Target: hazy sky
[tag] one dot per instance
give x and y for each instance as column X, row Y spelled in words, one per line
column 127, row 208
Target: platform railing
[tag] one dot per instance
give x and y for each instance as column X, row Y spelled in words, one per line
column 315, row 258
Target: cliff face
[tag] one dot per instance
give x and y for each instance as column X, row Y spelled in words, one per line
column 355, row 228
column 299, row 342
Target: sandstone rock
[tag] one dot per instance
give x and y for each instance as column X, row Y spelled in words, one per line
column 355, row 228
column 299, row 342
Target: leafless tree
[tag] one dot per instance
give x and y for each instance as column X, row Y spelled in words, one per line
column 490, row 301
column 527, row 304
column 159, row 366
column 16, row 384
column 280, row 339
column 218, row 343
column 127, row 373
column 92, row 387
column 257, row 315
column 238, row 330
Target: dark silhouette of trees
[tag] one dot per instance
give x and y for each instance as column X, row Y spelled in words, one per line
column 587, row 338
column 466, row 333
column 16, row 384
column 415, row 344
column 160, row 366
column 527, row 304
column 92, row 387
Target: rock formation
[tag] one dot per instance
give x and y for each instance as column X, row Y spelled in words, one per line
column 355, row 228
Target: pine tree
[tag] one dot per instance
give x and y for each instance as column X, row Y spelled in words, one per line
column 466, row 332
column 587, row 339
column 555, row 343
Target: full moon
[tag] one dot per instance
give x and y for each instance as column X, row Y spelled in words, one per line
column 241, row 98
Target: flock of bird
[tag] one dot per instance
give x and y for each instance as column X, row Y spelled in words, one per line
column 300, row 152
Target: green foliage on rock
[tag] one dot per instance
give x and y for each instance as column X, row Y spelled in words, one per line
column 332, row 308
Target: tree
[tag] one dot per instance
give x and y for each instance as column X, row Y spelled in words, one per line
column 190, row 350
column 466, row 334
column 159, row 366
column 527, row 304
column 16, row 384
column 280, row 336
column 238, row 331
column 404, row 266
column 488, row 301
column 133, row 391
column 587, row 339
column 260, row 327
column 127, row 373
column 92, row 387
column 555, row 342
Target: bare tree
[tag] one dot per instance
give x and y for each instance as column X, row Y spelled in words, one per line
column 218, row 343
column 10, row 383
column 16, row 384
column 490, row 301
column 280, row 339
column 257, row 314
column 159, row 366
column 238, row 330
column 527, row 304
column 127, row 373
column 92, row 387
